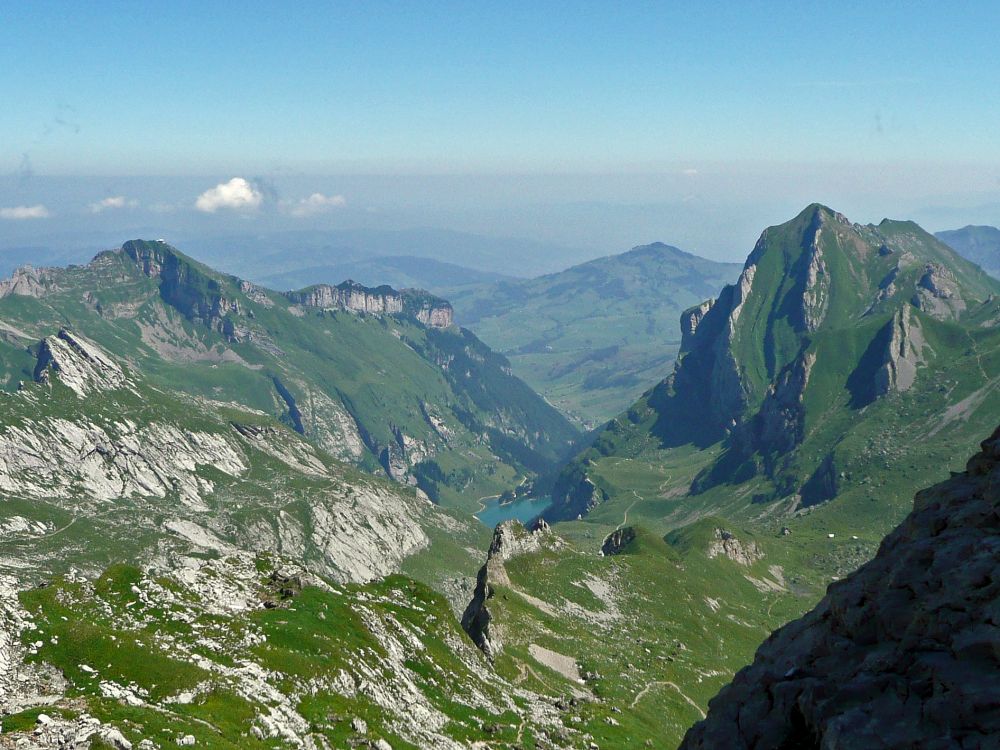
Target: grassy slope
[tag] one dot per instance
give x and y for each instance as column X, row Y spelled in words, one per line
column 314, row 637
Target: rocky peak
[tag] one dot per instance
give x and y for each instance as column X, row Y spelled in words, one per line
column 618, row 541
column 905, row 652
column 382, row 300
column 28, row 281
column 904, row 352
column 510, row 539
column 938, row 293
column 187, row 286
column 79, row 364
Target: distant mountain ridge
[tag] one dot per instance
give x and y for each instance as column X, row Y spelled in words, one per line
column 399, row 271
column 592, row 337
column 980, row 244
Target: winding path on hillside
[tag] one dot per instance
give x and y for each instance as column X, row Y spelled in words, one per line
column 642, row 693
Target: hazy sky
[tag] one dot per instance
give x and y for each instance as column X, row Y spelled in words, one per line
column 560, row 121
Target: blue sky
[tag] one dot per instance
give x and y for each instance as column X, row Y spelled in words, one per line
column 878, row 110
column 207, row 86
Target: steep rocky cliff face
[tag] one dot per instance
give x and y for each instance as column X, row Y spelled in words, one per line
column 382, row 300
column 903, row 653
column 827, row 318
column 183, row 283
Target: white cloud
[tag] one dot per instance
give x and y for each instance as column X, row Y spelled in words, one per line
column 317, row 203
column 237, row 194
column 690, row 172
column 25, row 212
column 116, row 201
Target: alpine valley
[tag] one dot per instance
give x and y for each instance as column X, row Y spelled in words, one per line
column 233, row 517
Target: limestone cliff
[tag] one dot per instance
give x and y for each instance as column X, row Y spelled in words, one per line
column 184, row 284
column 903, row 653
column 382, row 300
column 136, row 462
column 904, row 352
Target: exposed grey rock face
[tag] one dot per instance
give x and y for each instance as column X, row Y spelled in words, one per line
column 938, row 293
column 904, row 353
column 903, row 653
column 162, row 470
column 79, row 364
column 184, row 285
column 779, row 426
column 27, row 281
column 509, row 540
column 727, row 545
column 690, row 319
column 816, row 284
column 382, row 300
column 256, row 293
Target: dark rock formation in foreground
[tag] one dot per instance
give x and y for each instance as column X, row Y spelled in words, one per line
column 904, row 653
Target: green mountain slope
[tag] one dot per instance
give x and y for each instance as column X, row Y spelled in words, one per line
column 980, row 244
column 248, row 652
column 593, row 337
column 376, row 377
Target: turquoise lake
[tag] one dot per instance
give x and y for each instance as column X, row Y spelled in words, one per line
column 523, row 510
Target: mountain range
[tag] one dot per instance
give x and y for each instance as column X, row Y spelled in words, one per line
column 849, row 366
column 375, row 377
column 238, row 517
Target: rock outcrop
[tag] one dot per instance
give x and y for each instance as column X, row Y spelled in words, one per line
column 381, row 300
column 149, row 460
column 690, row 319
column 938, row 293
column 510, row 539
column 903, row 653
column 904, row 353
column 779, row 425
column 78, row 363
column 726, row 544
column 28, row 281
column 184, row 284
column 618, row 541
